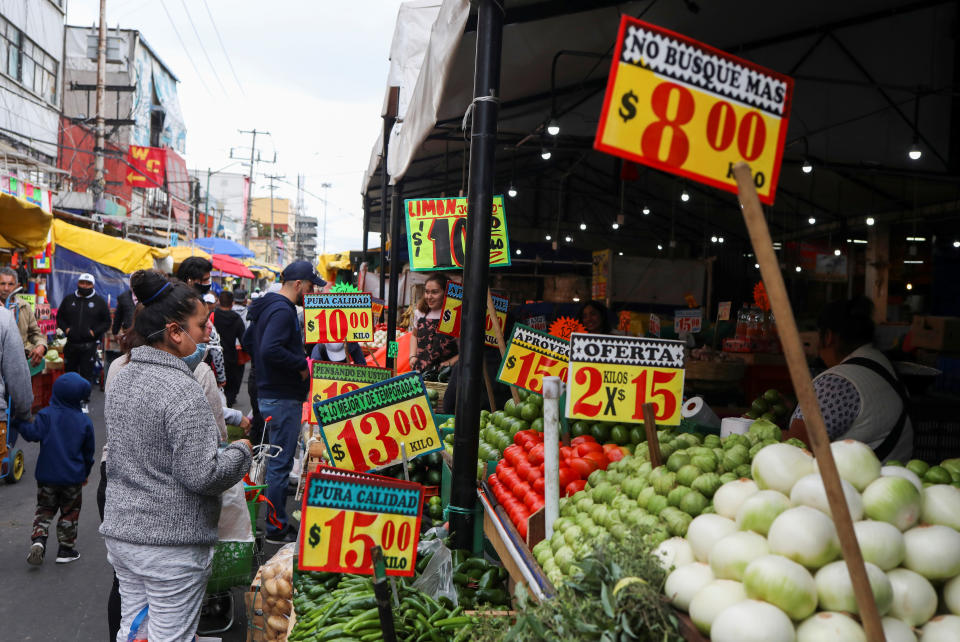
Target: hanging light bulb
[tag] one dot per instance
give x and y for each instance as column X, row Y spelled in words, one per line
column 909, row 286
column 836, row 252
column 797, row 268
column 583, row 227
column 646, row 211
column 512, row 191
column 659, row 247
column 956, row 244
column 812, row 220
column 870, row 220
column 807, row 166
column 545, row 154
column 756, row 265
column 548, row 237
column 719, row 239
column 615, row 225
column 619, row 253
column 553, row 127
column 914, row 153
column 519, row 252
column 713, row 239
column 684, row 196
column 568, row 239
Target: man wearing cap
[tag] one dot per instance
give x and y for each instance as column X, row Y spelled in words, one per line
column 84, row 317
column 34, row 340
column 275, row 341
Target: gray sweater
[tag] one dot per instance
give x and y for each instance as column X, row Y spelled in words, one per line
column 164, row 473
column 14, row 370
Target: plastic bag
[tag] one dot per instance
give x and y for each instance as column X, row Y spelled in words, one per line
column 234, row 525
column 437, row 578
column 276, row 591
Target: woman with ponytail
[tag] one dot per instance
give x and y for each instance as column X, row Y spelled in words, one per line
column 164, row 468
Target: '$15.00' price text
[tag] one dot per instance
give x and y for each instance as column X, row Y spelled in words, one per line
column 379, row 425
column 533, row 367
column 349, row 536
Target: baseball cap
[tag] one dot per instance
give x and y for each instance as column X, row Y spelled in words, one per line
column 86, row 276
column 209, row 298
column 302, row 271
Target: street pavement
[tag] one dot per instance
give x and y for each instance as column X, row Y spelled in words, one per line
column 61, row 602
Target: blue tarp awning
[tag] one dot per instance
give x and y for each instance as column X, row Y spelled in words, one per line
column 217, row 245
column 67, row 268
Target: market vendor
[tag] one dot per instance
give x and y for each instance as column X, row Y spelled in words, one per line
column 339, row 352
column 595, row 317
column 34, row 341
column 430, row 350
column 860, row 395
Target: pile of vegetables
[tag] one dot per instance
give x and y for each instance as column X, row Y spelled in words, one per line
column 276, row 591
column 771, row 406
column 767, row 564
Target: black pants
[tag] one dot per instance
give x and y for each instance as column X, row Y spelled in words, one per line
column 234, row 381
column 113, row 602
column 80, row 358
column 256, row 422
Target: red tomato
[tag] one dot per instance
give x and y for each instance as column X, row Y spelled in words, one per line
column 521, row 489
column 523, row 469
column 582, row 439
column 535, row 456
column 513, row 454
column 534, row 475
column 598, row 458
column 522, row 528
column 589, row 447
column 539, row 485
column 493, row 480
column 566, row 475
column 536, row 505
column 614, row 454
column 583, row 466
column 575, row 486
column 566, row 452
column 508, row 476
column 517, row 515
column 503, row 463
column 531, row 498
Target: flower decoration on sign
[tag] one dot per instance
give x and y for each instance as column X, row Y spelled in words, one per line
column 624, row 321
column 760, row 298
column 344, row 288
column 563, row 327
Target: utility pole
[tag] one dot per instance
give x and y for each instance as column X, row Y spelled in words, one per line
column 99, row 181
column 301, row 180
column 326, row 187
column 254, row 158
column 272, row 254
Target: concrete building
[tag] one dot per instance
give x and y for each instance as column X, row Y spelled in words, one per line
column 226, row 200
column 306, row 237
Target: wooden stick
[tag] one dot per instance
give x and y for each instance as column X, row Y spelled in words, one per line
column 489, row 385
column 498, row 332
column 653, row 443
column 803, row 386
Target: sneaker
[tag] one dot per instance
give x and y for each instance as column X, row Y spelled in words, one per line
column 37, row 550
column 285, row 536
column 67, row 555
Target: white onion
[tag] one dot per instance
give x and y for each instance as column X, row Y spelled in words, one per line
column 759, row 510
column 897, row 631
column 779, row 466
column 943, row 628
column 752, row 621
column 705, row 531
column 932, row 551
column 941, row 505
column 804, row 535
column 880, row 543
column 783, row 583
column 674, row 553
column 951, row 595
column 902, row 471
column 729, row 497
column 809, row 491
column 830, row 626
column 856, row 462
column 914, row 598
column 894, row 500
column 731, row 555
column 835, row 588
column 685, row 582
column 712, row 600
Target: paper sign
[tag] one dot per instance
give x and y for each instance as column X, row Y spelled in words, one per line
column 611, row 377
column 531, row 356
column 537, row 322
column 688, row 321
column 654, row 324
column 363, row 429
column 437, row 233
column 723, row 311
column 332, row 318
column 376, row 307
column 331, row 380
column 344, row 516
column 29, row 299
column 450, row 316
column 683, row 107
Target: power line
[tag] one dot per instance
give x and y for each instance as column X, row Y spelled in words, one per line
column 184, row 46
column 223, row 48
column 202, row 48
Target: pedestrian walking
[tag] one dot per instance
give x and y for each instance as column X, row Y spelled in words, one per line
column 34, row 340
column 84, row 317
column 66, row 456
column 15, row 384
column 276, row 340
column 230, row 327
column 165, row 470
column 195, row 272
column 123, row 316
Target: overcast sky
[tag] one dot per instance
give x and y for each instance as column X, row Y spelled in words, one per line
column 311, row 72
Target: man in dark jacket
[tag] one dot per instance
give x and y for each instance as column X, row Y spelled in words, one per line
column 123, row 317
column 276, row 343
column 84, row 317
column 230, row 327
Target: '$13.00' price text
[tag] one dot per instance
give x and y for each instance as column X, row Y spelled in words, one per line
column 353, row 439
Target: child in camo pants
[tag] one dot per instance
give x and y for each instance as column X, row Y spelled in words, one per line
column 66, row 441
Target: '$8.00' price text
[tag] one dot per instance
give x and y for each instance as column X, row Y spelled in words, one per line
column 533, row 367
column 380, row 425
column 393, row 533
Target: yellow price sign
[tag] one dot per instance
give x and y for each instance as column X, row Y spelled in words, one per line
column 684, row 107
column 331, row 380
column 437, row 233
column 611, row 377
column 332, row 318
column 344, row 517
column 450, row 315
column 363, row 429
column 531, row 356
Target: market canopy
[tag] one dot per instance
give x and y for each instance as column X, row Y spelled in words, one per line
column 23, row 224
column 180, row 253
column 230, row 265
column 263, row 268
column 120, row 254
column 218, row 245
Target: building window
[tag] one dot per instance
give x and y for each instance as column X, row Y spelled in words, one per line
column 114, row 44
column 27, row 63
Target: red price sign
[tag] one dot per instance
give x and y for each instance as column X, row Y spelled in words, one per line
column 331, row 380
column 611, row 377
column 687, row 321
column 333, row 317
column 686, row 108
column 531, row 356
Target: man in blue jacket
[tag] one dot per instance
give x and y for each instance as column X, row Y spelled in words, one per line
column 66, row 441
column 275, row 340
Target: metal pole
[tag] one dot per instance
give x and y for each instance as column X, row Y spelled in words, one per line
column 366, row 227
column 384, row 188
column 396, row 209
column 206, row 201
column 463, row 497
column 326, row 190
column 272, row 251
column 246, row 222
column 99, row 182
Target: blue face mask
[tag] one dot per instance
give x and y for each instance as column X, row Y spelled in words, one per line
column 193, row 360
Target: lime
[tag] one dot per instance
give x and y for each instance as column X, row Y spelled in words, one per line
column 778, row 410
column 522, row 393
column 600, row 432
column 520, row 424
column 579, row 429
column 918, row 467
column 529, row 411
column 619, row 435
column 637, row 435
column 510, row 408
column 759, row 406
column 937, row 475
column 537, row 424
column 771, row 396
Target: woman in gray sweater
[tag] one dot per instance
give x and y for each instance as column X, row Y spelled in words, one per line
column 165, row 474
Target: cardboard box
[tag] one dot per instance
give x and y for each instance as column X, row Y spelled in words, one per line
column 936, row 333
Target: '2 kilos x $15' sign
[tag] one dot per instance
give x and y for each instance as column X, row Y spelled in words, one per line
column 437, row 233
column 332, row 317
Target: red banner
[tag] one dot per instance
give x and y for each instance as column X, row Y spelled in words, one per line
column 146, row 166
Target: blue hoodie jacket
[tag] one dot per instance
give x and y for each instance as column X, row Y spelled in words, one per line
column 275, row 341
column 65, row 434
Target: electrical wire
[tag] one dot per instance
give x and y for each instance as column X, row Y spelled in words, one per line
column 202, row 48
column 223, row 48
column 184, row 46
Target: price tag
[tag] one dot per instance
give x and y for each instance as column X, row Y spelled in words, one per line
column 437, row 233
column 654, row 324
column 332, row 318
column 687, row 321
column 377, row 307
column 450, row 316
column 686, row 108
column 331, row 380
column 531, row 356
column 723, row 311
column 363, row 429
column 344, row 517
column 611, row 377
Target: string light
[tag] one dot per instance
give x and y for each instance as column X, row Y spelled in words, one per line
column 568, row 239
column 583, row 227
column 807, row 166
column 646, row 210
column 909, row 286
column 914, row 153
column 870, row 220
column 512, row 191
column 519, row 252
column 553, row 127
column 548, row 237
column 836, row 252
column 545, row 154
column 797, row 268
column 615, row 225
column 812, row 221
column 684, row 196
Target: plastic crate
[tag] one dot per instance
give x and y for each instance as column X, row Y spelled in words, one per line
column 232, row 566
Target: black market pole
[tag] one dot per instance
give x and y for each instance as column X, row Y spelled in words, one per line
column 486, row 89
column 396, row 213
column 366, row 228
column 388, row 120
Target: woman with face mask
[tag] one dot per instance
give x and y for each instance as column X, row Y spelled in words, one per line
column 165, row 471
